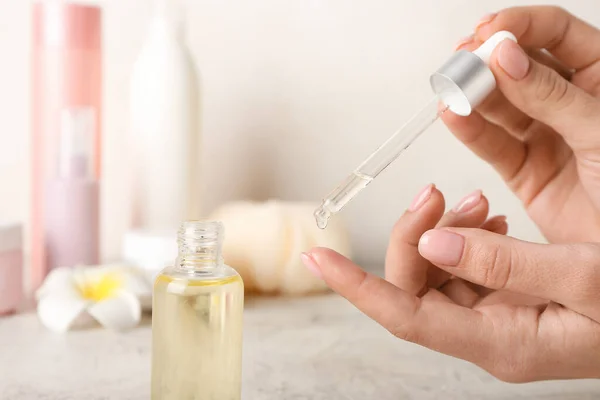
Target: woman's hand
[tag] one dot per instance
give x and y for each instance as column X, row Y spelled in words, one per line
column 540, row 131
column 457, row 284
column 510, row 322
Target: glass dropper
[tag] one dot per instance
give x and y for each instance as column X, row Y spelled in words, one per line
column 460, row 85
column 378, row 161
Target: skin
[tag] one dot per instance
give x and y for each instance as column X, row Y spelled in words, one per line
column 454, row 282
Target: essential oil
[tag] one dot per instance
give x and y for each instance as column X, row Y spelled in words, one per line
column 197, row 321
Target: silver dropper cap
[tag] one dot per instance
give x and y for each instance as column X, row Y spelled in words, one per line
column 465, row 80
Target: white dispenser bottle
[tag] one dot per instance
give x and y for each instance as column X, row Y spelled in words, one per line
column 164, row 117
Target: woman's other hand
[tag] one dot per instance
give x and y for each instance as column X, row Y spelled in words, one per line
column 541, row 128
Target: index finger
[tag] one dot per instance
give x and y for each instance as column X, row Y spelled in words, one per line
column 445, row 327
column 571, row 40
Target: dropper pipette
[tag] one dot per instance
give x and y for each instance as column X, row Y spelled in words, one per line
column 460, row 85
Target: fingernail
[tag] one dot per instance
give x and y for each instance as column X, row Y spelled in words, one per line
column 468, row 203
column 311, row 265
column 464, row 41
column 486, row 19
column 513, row 59
column 421, row 198
column 442, row 247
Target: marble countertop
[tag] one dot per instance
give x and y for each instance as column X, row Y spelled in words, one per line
column 317, row 348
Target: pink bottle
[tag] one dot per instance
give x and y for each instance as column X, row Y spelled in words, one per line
column 67, row 89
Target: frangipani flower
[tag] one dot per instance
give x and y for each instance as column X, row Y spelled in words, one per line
column 110, row 294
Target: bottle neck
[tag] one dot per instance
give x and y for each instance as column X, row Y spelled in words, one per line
column 161, row 27
column 200, row 245
column 167, row 19
column 199, row 260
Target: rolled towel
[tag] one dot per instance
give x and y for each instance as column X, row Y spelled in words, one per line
column 263, row 242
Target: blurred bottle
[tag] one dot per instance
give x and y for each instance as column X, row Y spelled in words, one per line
column 66, row 116
column 164, row 122
column 11, row 267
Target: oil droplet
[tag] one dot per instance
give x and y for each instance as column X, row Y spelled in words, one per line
column 322, row 217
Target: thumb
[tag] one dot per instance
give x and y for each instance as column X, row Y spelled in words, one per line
column 545, row 95
column 566, row 274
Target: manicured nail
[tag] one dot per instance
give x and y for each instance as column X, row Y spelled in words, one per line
column 513, row 59
column 486, row 19
column 421, row 198
column 442, row 247
column 311, row 265
column 464, row 41
column 468, row 203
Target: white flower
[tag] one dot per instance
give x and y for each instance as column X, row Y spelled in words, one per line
column 109, row 294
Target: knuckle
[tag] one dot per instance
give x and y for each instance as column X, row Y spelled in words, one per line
column 550, row 87
column 408, row 330
column 404, row 332
column 522, row 126
column 557, row 12
column 510, row 17
column 496, row 266
column 502, row 150
column 365, row 287
column 400, row 234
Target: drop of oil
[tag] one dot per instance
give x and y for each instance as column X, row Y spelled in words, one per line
column 322, row 217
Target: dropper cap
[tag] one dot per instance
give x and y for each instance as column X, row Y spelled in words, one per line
column 465, row 80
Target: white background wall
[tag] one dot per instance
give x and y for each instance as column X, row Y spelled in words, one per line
column 296, row 94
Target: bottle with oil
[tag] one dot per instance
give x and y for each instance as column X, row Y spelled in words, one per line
column 197, row 321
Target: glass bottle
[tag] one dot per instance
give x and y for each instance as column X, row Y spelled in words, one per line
column 197, row 321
